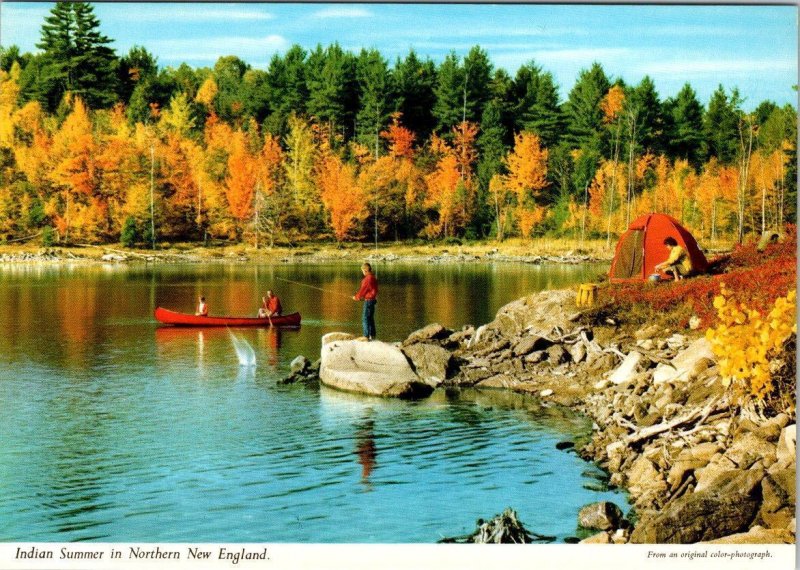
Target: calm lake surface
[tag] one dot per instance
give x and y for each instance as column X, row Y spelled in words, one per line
column 114, row 429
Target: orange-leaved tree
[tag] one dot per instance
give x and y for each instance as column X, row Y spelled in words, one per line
column 443, row 186
column 240, row 184
column 527, row 176
column 343, row 198
column 79, row 206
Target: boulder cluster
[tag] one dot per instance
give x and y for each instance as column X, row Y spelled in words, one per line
column 699, row 465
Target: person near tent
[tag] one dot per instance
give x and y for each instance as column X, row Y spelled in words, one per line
column 270, row 306
column 369, row 293
column 678, row 263
column 641, row 249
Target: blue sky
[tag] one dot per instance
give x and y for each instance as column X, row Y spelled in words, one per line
column 753, row 48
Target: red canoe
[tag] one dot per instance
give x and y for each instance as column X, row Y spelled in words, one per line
column 182, row 319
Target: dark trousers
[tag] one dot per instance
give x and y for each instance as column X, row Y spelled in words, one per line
column 368, row 318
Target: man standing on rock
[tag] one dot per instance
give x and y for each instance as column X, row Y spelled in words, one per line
column 369, row 293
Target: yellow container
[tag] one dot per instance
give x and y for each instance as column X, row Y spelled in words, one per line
column 587, row 294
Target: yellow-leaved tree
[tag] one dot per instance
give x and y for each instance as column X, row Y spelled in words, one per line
column 526, row 178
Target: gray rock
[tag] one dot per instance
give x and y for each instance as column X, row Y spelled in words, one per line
column 539, row 313
column 778, row 491
column 334, row 336
column 434, row 331
column 462, row 337
column 530, row 344
column 787, row 445
column 431, row 362
column 535, row 357
column 750, row 448
column 647, row 332
column 726, row 509
column 376, row 368
column 299, row 365
column 687, row 364
column 557, row 354
column 632, row 364
column 644, row 476
column 601, row 516
column 599, row 538
column 757, row 535
column 577, row 352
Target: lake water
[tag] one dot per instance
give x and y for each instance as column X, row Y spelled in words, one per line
column 114, row 429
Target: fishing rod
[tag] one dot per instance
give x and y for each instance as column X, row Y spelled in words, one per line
column 313, row 287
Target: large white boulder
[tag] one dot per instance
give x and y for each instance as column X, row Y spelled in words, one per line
column 375, row 368
column 687, row 364
column 628, row 369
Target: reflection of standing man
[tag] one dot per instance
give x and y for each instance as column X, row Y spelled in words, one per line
column 365, row 448
column 369, row 293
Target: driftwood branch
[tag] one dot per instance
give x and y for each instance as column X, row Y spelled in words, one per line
column 591, row 345
column 697, row 414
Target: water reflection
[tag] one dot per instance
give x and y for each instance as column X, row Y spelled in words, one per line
column 366, row 449
column 116, row 429
column 270, row 339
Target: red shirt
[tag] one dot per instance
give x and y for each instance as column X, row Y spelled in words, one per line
column 274, row 305
column 369, row 288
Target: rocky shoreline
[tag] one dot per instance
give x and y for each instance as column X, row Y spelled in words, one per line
column 698, row 467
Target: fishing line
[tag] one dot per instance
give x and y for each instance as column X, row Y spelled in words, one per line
column 313, row 287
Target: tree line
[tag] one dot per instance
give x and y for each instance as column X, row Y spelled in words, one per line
column 326, row 143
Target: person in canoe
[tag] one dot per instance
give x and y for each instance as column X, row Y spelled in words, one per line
column 678, row 263
column 369, row 293
column 202, row 308
column 270, row 306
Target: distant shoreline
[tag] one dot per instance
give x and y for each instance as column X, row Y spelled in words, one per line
column 535, row 252
column 310, row 254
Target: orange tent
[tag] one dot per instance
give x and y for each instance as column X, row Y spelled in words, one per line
column 642, row 247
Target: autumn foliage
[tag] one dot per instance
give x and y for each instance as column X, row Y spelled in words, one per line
column 187, row 173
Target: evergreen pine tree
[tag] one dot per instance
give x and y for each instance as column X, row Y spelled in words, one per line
column 137, row 66
column 583, row 113
column 414, row 82
column 374, row 88
column 477, row 75
column 76, row 58
column 492, row 146
column 684, row 126
column 230, row 101
column 721, row 127
column 650, row 123
column 448, row 108
column 332, row 91
column 537, row 110
column 286, row 88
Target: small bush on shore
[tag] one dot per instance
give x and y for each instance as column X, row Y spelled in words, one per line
column 752, row 351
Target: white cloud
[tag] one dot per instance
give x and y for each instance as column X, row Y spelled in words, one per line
column 342, row 13
column 183, row 13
